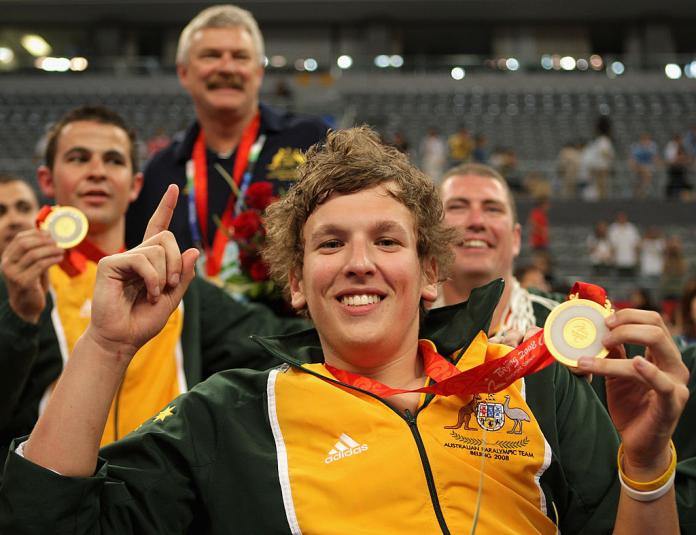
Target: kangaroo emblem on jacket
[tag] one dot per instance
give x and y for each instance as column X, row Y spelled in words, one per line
column 464, row 415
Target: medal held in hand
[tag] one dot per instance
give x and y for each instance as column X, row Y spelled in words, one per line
column 575, row 329
column 67, row 226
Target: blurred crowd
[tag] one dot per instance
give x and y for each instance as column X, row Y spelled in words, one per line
column 585, row 168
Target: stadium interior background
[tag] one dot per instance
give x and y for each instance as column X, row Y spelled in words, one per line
column 529, row 76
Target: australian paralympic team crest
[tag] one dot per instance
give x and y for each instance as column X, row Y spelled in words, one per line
column 491, row 415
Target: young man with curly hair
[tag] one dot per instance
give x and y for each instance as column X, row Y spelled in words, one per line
column 322, row 444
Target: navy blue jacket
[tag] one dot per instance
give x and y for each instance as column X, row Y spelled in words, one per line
column 287, row 137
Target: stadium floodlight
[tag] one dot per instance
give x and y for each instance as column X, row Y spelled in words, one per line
column 382, row 61
column 299, row 64
column 78, row 64
column 673, row 71
column 512, row 64
column 6, row 55
column 344, row 62
column 278, row 61
column 396, row 61
column 310, row 64
column 36, row 45
column 690, row 69
column 581, row 64
column 50, row 64
column 567, row 63
column 556, row 62
column 457, row 73
column 546, row 62
column 596, row 62
column 618, row 68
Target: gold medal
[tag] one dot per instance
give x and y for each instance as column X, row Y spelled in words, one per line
column 575, row 329
column 66, row 225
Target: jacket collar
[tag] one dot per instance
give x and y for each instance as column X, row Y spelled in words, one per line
column 271, row 121
column 450, row 328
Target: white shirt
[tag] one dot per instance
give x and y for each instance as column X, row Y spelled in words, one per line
column 652, row 256
column 599, row 154
column 624, row 238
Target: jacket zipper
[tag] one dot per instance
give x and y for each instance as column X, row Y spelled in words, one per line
column 411, row 419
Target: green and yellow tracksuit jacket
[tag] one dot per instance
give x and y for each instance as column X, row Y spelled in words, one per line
column 292, row 450
column 208, row 333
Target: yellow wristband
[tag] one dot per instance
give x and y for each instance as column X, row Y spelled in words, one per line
column 648, row 486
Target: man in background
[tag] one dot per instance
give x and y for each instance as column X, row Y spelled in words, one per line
column 625, row 242
column 461, row 144
column 235, row 141
column 46, row 296
column 479, row 204
column 18, row 208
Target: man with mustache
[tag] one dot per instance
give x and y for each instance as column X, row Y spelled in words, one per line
column 220, row 63
column 18, row 207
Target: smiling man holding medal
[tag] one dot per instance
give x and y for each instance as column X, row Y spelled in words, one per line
column 478, row 203
column 49, row 274
column 356, row 431
column 235, row 142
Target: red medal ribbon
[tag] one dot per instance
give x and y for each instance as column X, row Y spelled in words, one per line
column 75, row 260
column 43, row 214
column 585, row 290
column 213, row 258
column 436, row 367
column 489, row 377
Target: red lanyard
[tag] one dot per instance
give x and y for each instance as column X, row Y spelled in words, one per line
column 436, row 367
column 489, row 377
column 75, row 261
column 213, row 258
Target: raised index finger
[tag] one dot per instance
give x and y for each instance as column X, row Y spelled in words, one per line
column 163, row 214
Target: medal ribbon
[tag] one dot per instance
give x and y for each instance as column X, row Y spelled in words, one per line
column 435, row 366
column 75, row 260
column 585, row 290
column 489, row 377
column 199, row 192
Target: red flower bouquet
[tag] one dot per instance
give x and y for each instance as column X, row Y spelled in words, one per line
column 244, row 274
column 246, row 225
column 259, row 195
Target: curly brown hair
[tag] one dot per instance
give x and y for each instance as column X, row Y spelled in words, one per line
column 350, row 161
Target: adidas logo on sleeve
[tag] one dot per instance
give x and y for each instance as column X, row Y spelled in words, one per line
column 345, row 447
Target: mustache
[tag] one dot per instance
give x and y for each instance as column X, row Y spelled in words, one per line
column 225, row 81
